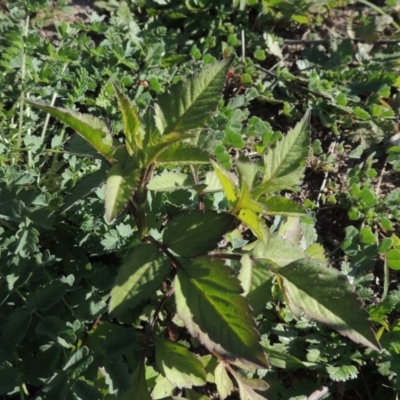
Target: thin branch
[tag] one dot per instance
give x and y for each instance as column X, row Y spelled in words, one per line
column 227, row 256
column 295, row 85
column 330, row 151
column 380, row 42
column 197, row 182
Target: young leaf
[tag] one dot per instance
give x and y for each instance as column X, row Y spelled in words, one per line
column 92, row 129
column 182, row 154
column 222, row 381
column 320, row 293
column 208, row 296
column 278, row 205
column 227, row 184
column 140, row 276
column 155, row 150
column 255, row 223
column 119, row 189
column 188, row 104
column 284, row 165
column 181, row 367
column 131, row 122
column 194, row 234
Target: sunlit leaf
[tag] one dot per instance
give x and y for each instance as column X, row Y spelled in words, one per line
column 182, row 154
column 227, row 183
column 222, row 381
column 284, row 165
column 320, row 293
column 188, row 104
column 208, row 295
column 181, row 367
column 131, row 122
column 94, row 130
column 255, row 223
column 119, row 189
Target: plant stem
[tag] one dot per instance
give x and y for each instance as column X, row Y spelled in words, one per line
column 21, row 103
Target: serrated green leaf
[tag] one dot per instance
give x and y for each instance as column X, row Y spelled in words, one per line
column 278, row 205
column 280, row 251
column 183, row 153
column 246, row 392
column 140, row 276
column 14, row 328
column 49, row 294
column 286, row 361
column 246, row 202
column 227, row 184
column 57, row 387
column 194, row 234
column 255, row 223
column 284, row 165
column 256, row 282
column 248, row 172
column 80, row 359
column 170, row 181
column 131, row 122
column 208, row 295
column 319, row 293
column 342, row 373
column 119, row 189
column 138, row 388
column 92, row 129
column 188, row 104
column 155, row 150
column 181, row 367
column 117, row 378
column 83, row 390
column 82, row 189
column 222, row 381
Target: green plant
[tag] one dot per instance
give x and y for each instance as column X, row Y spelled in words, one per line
column 175, row 257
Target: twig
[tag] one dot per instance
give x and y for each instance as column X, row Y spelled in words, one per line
column 243, row 46
column 293, row 42
column 323, row 184
column 197, row 182
column 378, row 185
column 301, row 87
column 318, row 393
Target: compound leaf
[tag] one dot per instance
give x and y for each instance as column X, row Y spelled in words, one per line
column 140, row 276
column 209, row 296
